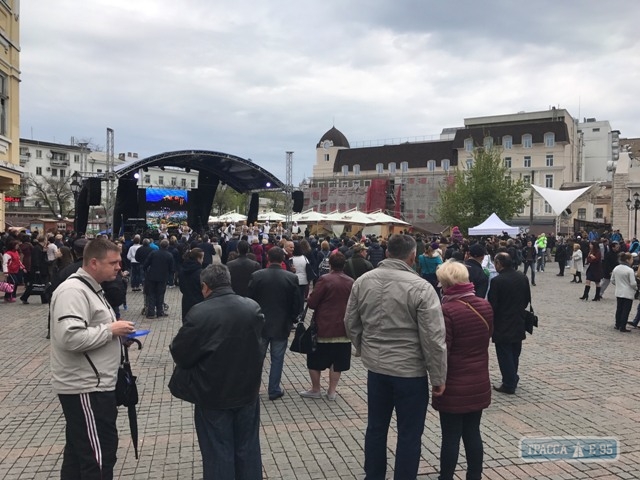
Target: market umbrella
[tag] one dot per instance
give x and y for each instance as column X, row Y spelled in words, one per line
column 309, row 216
column 353, row 216
column 382, row 218
column 232, row 217
column 271, row 216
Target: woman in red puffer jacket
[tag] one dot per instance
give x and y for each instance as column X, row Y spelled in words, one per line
column 469, row 323
column 12, row 267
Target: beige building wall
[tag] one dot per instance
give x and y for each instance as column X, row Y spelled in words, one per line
column 9, row 100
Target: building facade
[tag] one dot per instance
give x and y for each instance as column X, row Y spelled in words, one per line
column 42, row 162
column 404, row 179
column 10, row 171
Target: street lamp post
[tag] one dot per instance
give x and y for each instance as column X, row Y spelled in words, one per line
column 76, row 186
column 635, row 206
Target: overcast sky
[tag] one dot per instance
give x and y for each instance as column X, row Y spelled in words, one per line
column 258, row 78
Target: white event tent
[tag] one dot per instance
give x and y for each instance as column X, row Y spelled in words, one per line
column 493, row 226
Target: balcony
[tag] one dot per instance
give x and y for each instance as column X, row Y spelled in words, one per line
column 59, row 161
column 24, row 159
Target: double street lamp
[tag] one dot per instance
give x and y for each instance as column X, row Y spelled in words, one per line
column 634, row 205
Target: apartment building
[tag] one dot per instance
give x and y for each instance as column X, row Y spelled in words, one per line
column 10, row 171
column 404, row 179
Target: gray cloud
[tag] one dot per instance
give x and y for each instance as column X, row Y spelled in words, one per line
column 257, row 80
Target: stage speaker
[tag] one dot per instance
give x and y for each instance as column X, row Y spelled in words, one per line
column 95, row 191
column 298, row 201
column 252, row 216
column 142, row 203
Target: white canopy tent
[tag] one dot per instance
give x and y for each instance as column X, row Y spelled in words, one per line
column 352, row 216
column 559, row 200
column 493, row 226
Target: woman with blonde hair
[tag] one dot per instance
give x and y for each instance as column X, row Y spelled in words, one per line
column 469, row 325
column 576, row 264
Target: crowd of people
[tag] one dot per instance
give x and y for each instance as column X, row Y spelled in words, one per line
column 417, row 310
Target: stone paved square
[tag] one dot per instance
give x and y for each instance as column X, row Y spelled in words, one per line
column 578, row 377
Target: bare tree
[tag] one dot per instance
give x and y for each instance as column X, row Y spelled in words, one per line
column 53, row 192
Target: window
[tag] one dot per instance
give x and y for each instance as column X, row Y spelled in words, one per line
column 379, row 168
column 54, row 172
column 526, row 179
column 332, row 184
column 356, row 183
column 147, row 179
column 582, row 214
column 99, row 170
column 356, row 169
column 345, row 184
column 445, row 164
column 174, row 181
column 4, row 105
column 160, row 180
column 392, row 167
column 549, row 139
column 38, row 170
column 61, row 173
column 527, row 162
column 193, row 183
column 183, row 182
column 526, row 141
column 547, row 208
column 598, row 213
column 595, row 130
column 468, row 144
column 507, row 142
column 548, row 181
column 404, row 167
column 469, row 162
column 367, row 183
column 507, row 162
column 38, row 153
column 431, row 165
column 549, row 160
column 345, row 170
column 488, row 143
column 326, row 157
column 76, row 158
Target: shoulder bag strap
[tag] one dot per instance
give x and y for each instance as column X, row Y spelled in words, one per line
column 476, row 312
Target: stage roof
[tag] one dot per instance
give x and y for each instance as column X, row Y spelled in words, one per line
column 240, row 174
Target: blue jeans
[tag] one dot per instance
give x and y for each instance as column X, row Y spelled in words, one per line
column 508, row 355
column 230, row 442
column 409, row 397
column 278, row 347
column 466, row 426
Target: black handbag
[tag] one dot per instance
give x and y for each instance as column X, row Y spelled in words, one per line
column 530, row 320
column 305, row 339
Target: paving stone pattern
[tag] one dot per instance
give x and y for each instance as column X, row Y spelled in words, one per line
column 578, row 377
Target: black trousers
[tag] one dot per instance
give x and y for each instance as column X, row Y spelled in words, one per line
column 155, row 296
column 91, row 436
column 623, row 308
column 466, row 426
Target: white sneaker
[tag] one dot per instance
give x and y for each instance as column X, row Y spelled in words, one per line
column 310, row 394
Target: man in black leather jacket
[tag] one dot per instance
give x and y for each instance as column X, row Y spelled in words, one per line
column 158, row 266
column 219, row 368
column 277, row 292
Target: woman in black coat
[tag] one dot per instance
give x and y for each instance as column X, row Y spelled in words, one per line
column 594, row 271
column 189, row 280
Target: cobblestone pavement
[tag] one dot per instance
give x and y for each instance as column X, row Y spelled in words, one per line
column 578, row 377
